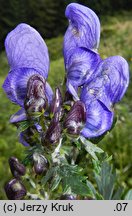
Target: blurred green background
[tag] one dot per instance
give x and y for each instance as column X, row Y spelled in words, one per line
column 47, row 16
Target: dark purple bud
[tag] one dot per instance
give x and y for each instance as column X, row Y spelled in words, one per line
column 40, row 163
column 15, row 190
column 75, row 118
column 53, row 132
column 57, row 101
column 67, row 197
column 17, row 168
column 36, row 99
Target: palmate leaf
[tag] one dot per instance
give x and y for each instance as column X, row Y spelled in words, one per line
column 77, row 186
column 73, row 179
column 49, row 175
column 106, row 180
column 91, row 148
column 105, row 177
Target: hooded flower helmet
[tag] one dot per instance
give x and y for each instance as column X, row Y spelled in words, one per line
column 27, row 55
column 103, row 82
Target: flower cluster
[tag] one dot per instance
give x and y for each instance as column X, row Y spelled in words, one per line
column 102, row 83
column 93, row 86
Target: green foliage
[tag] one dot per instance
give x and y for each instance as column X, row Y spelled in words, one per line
column 92, row 149
column 67, row 178
column 24, row 125
column 106, row 178
column 106, row 181
column 128, row 195
column 70, row 177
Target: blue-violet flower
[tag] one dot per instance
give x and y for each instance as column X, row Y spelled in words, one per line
column 27, row 55
column 103, row 82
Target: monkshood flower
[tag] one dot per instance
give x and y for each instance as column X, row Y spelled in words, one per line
column 83, row 29
column 27, row 56
column 81, row 42
column 102, row 93
column 103, row 82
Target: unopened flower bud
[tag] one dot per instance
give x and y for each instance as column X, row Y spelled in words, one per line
column 36, row 99
column 67, row 197
column 75, row 118
column 53, row 132
column 57, row 101
column 15, row 190
column 17, row 168
column 40, row 163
